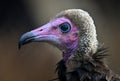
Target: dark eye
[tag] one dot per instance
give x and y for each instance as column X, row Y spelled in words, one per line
column 65, row 27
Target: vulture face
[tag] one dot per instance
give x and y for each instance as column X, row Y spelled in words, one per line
column 60, row 32
column 72, row 31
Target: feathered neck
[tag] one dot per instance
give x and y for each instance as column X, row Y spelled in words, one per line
column 84, row 68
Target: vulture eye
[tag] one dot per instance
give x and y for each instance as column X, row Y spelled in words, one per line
column 65, row 27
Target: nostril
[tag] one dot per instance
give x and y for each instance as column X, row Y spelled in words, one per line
column 54, row 27
column 41, row 30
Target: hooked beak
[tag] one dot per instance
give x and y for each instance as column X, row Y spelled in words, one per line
column 41, row 34
column 26, row 38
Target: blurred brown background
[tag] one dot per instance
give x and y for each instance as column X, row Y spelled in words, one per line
column 37, row 61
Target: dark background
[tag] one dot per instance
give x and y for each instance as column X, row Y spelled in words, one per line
column 37, row 61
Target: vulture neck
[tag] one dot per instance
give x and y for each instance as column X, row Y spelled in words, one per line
column 78, row 60
column 70, row 51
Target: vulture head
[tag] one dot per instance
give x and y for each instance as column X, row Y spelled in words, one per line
column 71, row 31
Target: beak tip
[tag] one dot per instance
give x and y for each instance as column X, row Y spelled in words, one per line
column 20, row 43
column 19, row 46
column 25, row 38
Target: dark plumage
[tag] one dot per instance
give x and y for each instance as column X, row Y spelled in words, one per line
column 73, row 32
column 86, row 68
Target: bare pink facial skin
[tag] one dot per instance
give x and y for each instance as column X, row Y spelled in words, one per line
column 50, row 32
